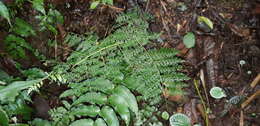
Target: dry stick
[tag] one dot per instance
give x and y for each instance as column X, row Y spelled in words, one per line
column 116, row 8
column 55, row 48
column 241, row 121
column 202, row 112
column 147, row 5
column 202, row 78
column 203, row 103
column 255, row 81
column 250, row 99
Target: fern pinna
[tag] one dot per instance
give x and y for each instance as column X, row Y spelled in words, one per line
column 104, row 73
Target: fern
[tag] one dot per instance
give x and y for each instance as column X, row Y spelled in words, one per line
column 97, row 70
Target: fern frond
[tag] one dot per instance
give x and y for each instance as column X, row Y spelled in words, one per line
column 96, row 69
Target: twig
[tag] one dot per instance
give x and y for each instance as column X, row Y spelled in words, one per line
column 56, row 48
column 203, row 113
column 147, row 5
column 255, row 81
column 203, row 103
column 116, row 8
column 250, row 99
column 202, row 78
column 241, row 120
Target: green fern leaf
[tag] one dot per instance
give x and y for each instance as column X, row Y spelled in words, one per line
column 128, row 96
column 84, row 110
column 100, row 122
column 93, row 98
column 83, row 122
column 108, row 114
column 120, row 104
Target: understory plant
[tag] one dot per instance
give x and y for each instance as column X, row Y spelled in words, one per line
column 108, row 77
column 15, row 94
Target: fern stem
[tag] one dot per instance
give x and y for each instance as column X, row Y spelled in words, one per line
column 107, row 47
column 203, row 103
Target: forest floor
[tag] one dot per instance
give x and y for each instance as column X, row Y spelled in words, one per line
column 228, row 56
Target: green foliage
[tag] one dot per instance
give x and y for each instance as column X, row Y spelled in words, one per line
column 4, row 120
column 83, row 122
column 148, row 113
column 4, row 12
column 86, row 94
column 179, row 119
column 95, row 3
column 15, row 46
column 39, row 6
column 100, row 122
column 19, row 107
column 9, row 93
column 14, row 97
column 104, row 73
column 189, row 40
column 34, row 73
column 49, row 21
column 40, row 122
column 22, row 28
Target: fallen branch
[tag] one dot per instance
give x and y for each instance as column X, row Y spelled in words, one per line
column 250, row 99
column 255, row 81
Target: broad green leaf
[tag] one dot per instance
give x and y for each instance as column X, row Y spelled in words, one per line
column 217, row 92
column 100, row 122
column 206, row 21
column 180, row 119
column 189, row 40
column 34, row 73
column 40, row 122
column 94, row 4
column 24, row 110
column 4, row 12
column 128, row 96
column 52, row 29
column 92, row 97
column 84, row 110
column 108, row 114
column 39, row 6
column 12, row 90
column 110, row 2
column 67, row 93
column 83, row 122
column 100, row 84
column 4, row 120
column 120, row 105
column 22, row 28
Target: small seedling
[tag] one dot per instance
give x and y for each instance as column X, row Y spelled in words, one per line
column 242, row 62
column 217, row 93
column 202, row 19
column 165, row 115
column 189, row 40
column 179, row 119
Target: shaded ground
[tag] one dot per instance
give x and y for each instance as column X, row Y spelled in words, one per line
column 218, row 53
